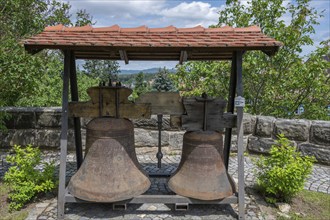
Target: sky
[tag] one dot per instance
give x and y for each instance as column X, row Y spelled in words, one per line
column 162, row 13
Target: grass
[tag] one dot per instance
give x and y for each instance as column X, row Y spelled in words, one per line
column 310, row 205
column 4, row 206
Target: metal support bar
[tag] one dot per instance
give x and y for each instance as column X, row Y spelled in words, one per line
column 205, row 100
column 64, row 135
column 76, row 120
column 159, row 154
column 117, row 102
column 160, row 175
column 100, row 100
column 163, row 199
column 230, row 108
column 240, row 103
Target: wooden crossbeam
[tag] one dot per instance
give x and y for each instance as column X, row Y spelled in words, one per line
column 92, row 108
column 166, row 103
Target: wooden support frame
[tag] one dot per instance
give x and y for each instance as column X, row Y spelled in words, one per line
column 76, row 120
column 239, row 104
column 165, row 199
column 64, row 135
column 230, row 109
column 69, row 76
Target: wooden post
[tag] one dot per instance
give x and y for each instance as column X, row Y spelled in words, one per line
column 64, row 135
column 239, row 104
column 230, row 108
column 76, row 120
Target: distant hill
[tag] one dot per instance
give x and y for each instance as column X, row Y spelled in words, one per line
column 151, row 70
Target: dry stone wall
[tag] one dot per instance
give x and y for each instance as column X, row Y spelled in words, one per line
column 41, row 127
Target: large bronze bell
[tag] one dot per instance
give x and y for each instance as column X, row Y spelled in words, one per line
column 110, row 171
column 201, row 173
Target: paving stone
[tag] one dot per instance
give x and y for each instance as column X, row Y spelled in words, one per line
column 42, row 205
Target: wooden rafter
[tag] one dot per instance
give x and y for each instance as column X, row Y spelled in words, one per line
column 123, row 56
column 183, row 57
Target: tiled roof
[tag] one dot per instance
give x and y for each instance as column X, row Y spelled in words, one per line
column 143, row 43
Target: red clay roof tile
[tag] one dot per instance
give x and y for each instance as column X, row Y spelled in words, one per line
column 248, row 29
column 193, row 29
column 59, row 37
column 137, row 29
column 55, row 28
column 165, row 29
column 220, row 29
column 79, row 29
column 113, row 28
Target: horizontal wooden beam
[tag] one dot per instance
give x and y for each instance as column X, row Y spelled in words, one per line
column 126, row 110
column 152, row 58
column 128, row 49
column 166, row 103
column 227, row 120
column 107, row 96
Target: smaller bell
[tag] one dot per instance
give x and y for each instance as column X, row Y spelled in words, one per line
column 201, row 173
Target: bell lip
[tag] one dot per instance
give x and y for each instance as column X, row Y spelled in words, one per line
column 139, row 183
column 205, row 196
column 106, row 199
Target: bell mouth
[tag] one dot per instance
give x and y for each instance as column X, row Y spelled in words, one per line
column 201, row 173
column 108, row 174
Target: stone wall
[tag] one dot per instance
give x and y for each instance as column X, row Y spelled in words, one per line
column 41, row 127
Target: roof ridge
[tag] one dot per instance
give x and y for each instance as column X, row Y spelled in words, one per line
column 145, row 29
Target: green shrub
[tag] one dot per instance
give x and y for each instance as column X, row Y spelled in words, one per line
column 25, row 178
column 283, row 174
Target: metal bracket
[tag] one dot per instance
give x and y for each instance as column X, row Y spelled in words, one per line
column 205, row 99
column 119, row 206
column 239, row 101
column 181, row 207
column 159, row 154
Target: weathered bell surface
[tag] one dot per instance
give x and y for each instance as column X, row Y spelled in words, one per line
column 201, row 173
column 110, row 171
column 120, row 129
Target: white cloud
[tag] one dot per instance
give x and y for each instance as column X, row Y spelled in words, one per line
column 125, row 13
column 115, row 7
column 153, row 13
column 198, row 10
column 190, row 14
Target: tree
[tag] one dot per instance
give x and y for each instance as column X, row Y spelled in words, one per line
column 163, row 82
column 141, row 86
column 103, row 70
column 22, row 18
column 83, row 18
column 275, row 85
column 195, row 78
column 33, row 80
